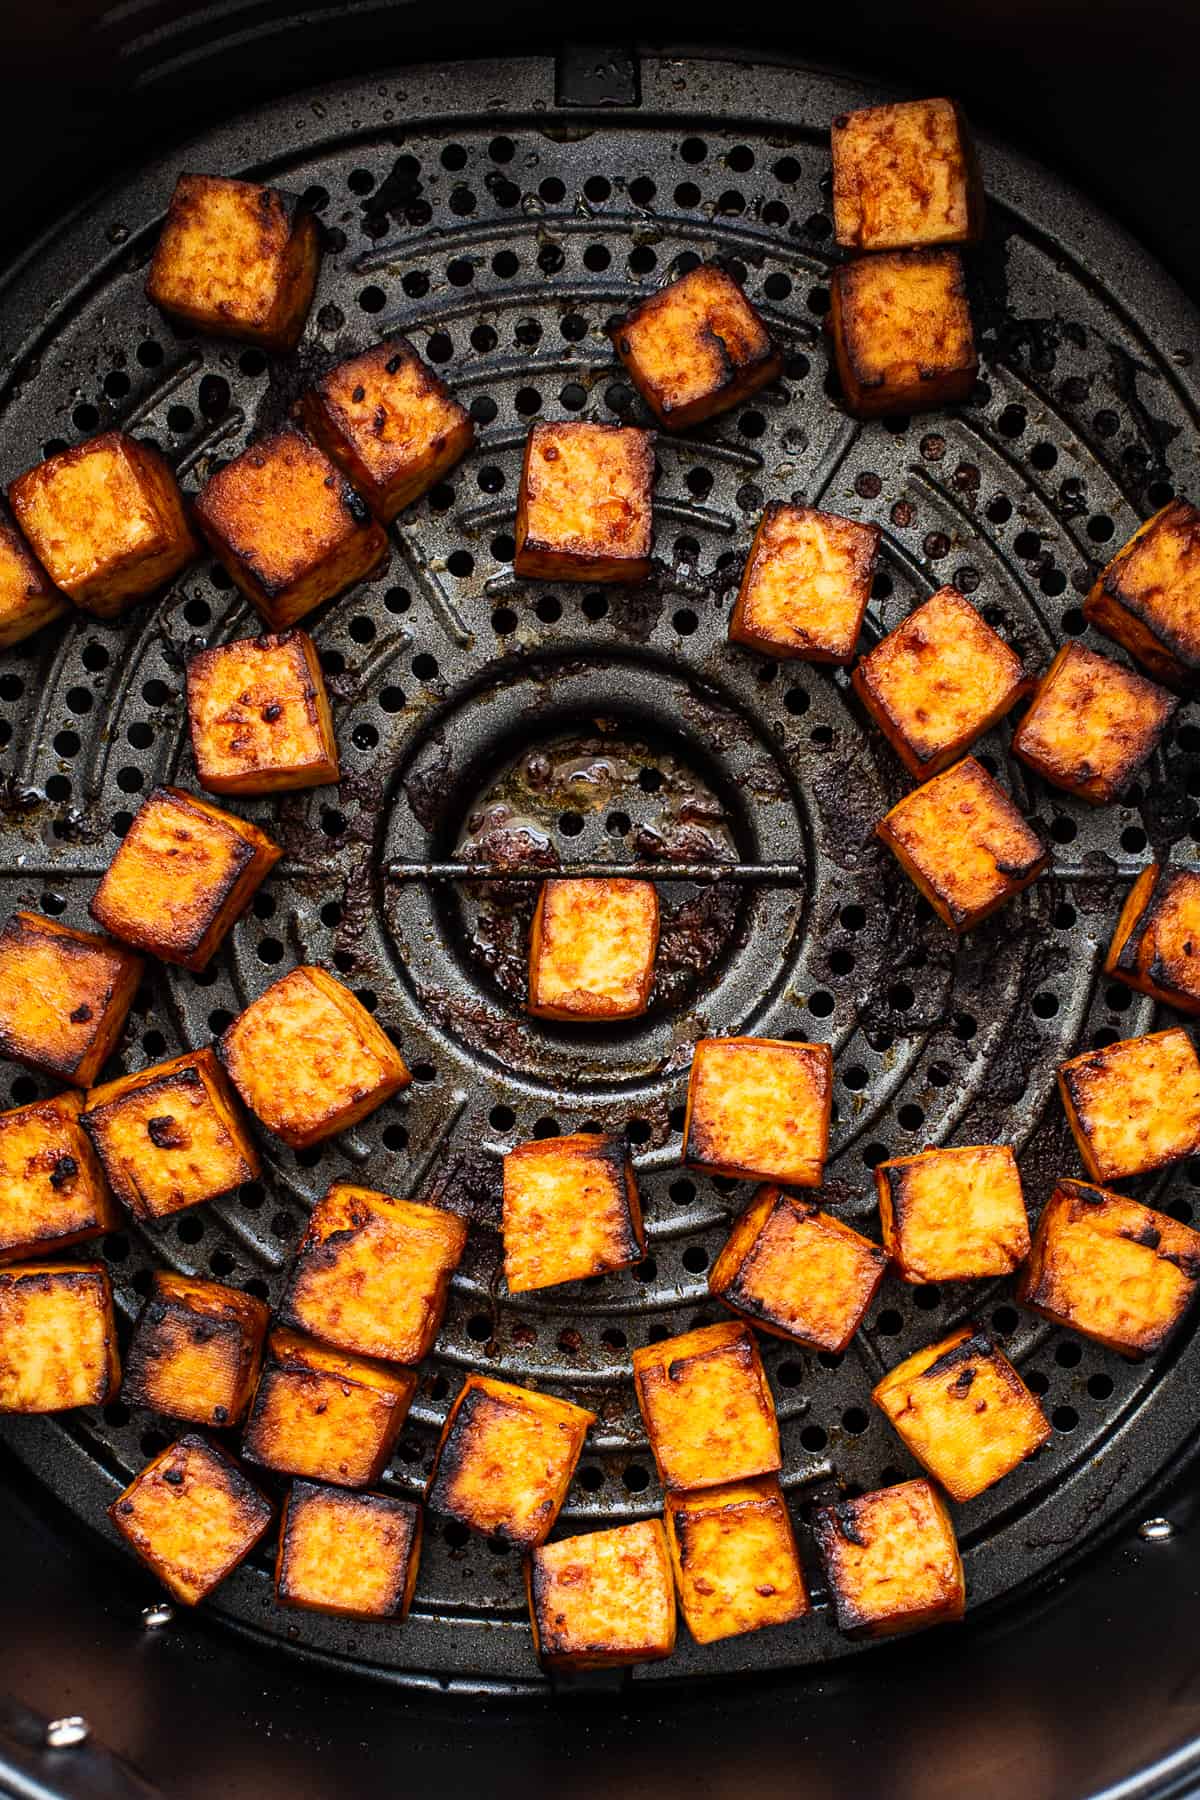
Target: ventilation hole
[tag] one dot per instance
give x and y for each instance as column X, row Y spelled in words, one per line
column 890, row 1323
column 682, row 1192
column 855, row 1078
column 1100, row 1387
column 1064, row 1418
column 685, row 621
column 855, row 1421
column 695, row 1259
column 546, row 1128
column 502, row 1118
column 549, row 610
column 813, row 1438
column 790, row 1374
column 927, row 1297
column 911, row 1117
column 570, row 824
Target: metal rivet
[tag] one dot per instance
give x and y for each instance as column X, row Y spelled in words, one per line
column 163, row 1613
column 1156, row 1531
column 63, row 1734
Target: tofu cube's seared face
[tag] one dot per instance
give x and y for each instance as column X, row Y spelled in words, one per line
column 585, row 509
column 1156, row 946
column 58, row 1337
column 1092, row 724
column 591, row 949
column 795, row 1271
column 52, row 1189
column 64, row 997
column 571, row 1210
column 353, row 1555
column 905, row 176
column 963, row 843
column 902, row 332
column 259, row 716
column 325, row 1414
column 806, row 585
column 757, row 1107
column 1135, row 1105
column 192, row 1517
column 891, row 1561
column 1148, row 598
column 604, row 1599
column 28, row 598
column 707, row 1408
column 505, row 1460
column 954, row 1215
column 196, row 1351
column 735, row 1560
column 696, row 348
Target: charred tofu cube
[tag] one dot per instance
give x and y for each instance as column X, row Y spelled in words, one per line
column 192, row 1517
column 52, row 1188
column 571, row 1210
column 106, row 522
column 939, row 681
column 309, row 1060
column 325, row 1414
column 591, row 949
column 963, row 1411
column 905, row 177
column 707, row 1408
column 806, row 585
column 793, row 1270
column 28, row 597
column 891, row 1560
column 735, row 1559
column 1092, row 724
column 955, row 1214
column 1134, row 1106
column 604, row 1599
column 505, row 1460
column 696, row 348
column 902, row 335
column 963, row 844
column 196, row 1350
column 759, row 1108
column 352, row 1555
column 64, row 997
column 58, row 1337
column 236, row 259
column 259, row 716
column 390, row 423
column 1156, row 946
column 585, row 511
column 1148, row 598
column 288, row 527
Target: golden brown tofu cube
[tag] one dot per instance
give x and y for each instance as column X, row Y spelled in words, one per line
column 52, row 1188
column 58, row 1337
column 963, row 844
column 288, row 527
column 390, row 423
column 192, row 1517
column 309, row 1060
column 585, row 511
column 793, row 1270
column 571, row 1210
column 1148, row 597
column 735, row 1559
column 505, row 1460
column 64, row 997
column 106, row 522
column 955, row 1214
column 963, row 1411
column 28, row 597
column 806, row 586
column 1134, row 1106
column 891, row 1560
column 591, row 949
column 939, row 681
column 236, row 259
column 603, row 1599
column 1156, row 946
column 696, row 348
column 324, row 1413
column 372, row 1273
column 902, row 334
column 708, row 1411
column 759, row 1108
column 905, row 176
column 1092, row 724
column 352, row 1555
column 196, row 1351
column 259, row 716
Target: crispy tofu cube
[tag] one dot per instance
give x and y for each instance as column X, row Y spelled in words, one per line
column 505, row 1459
column 52, row 1188
column 963, row 844
column 905, row 177
column 591, row 949
column 352, row 1555
column 196, row 1351
column 1148, row 597
column 64, row 997
column 288, row 527
column 325, row 1414
column 259, row 716
column 759, row 1108
column 106, row 521
column 963, row 1411
column 955, row 1214
column 585, row 511
column 28, row 597
column 1134, row 1106
column 192, row 1517
column 1156, row 946
column 58, row 1337
column 604, row 1599
column 390, row 423
column 902, row 334
column 571, row 1210
column 236, row 259
column 891, row 1560
column 696, row 348
column 707, row 1408
column 1092, row 724
column 735, row 1559
column 795, row 1271
column 939, row 681
column 806, row 586
column 309, row 1060
column 372, row 1273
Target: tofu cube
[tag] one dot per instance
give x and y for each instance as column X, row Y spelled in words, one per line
column 591, row 949
column 106, row 521
column 902, row 335
column 505, row 1460
column 259, row 716
column 236, row 259
column 325, row 1414
column 696, row 348
column 735, row 1559
column 939, row 681
column 390, row 423
column 352, row 1555
column 196, row 1351
column 796, row 1272
column 1134, row 1106
column 192, row 1517
column 64, row 997
column 52, row 1189
column 372, row 1273
column 571, row 1210
column 28, row 597
column 1148, row 597
column 891, row 1560
column 706, row 1406
column 759, row 1108
column 585, row 510
column 1092, row 724
column 963, row 844
column 905, row 176
column 58, row 1337
column 288, row 526
column 309, row 1060
column 604, row 1599
column 1156, row 946
column 806, row 586
column 954, row 1214
column 963, row 1411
